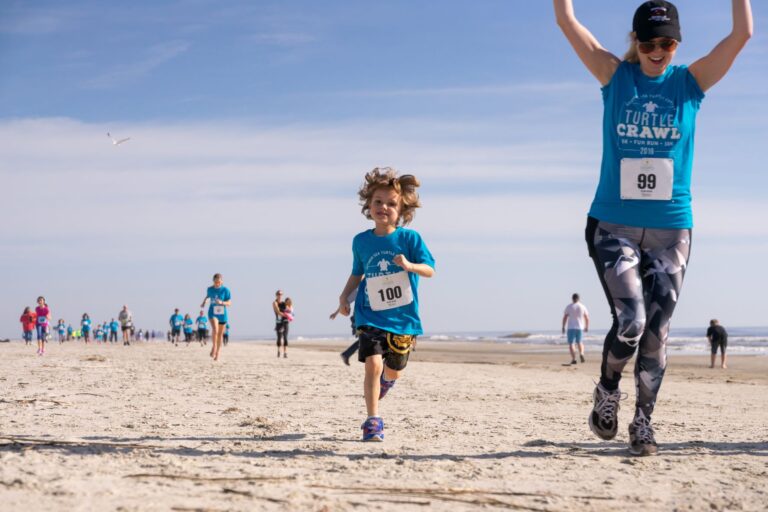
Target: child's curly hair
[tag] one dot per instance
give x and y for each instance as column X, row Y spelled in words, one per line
column 405, row 186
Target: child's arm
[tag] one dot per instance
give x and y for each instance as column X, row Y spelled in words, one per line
column 421, row 269
column 352, row 283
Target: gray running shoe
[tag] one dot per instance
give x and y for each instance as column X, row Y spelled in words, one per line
column 603, row 419
column 641, row 440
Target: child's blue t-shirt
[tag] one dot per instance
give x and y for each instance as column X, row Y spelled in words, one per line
column 646, row 120
column 176, row 321
column 221, row 293
column 395, row 304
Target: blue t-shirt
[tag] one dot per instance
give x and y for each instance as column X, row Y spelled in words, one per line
column 221, row 293
column 114, row 326
column 62, row 328
column 189, row 325
column 372, row 256
column 176, row 321
column 648, row 117
column 86, row 323
column 202, row 323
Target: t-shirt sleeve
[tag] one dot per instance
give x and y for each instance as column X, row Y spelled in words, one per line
column 227, row 295
column 693, row 92
column 358, row 268
column 420, row 253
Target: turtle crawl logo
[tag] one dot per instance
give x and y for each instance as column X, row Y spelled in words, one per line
column 659, row 14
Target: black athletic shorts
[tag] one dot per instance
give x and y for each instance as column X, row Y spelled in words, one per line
column 175, row 331
column 723, row 344
column 393, row 348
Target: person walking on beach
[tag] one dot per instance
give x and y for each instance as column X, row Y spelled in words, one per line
column 576, row 320
column 175, row 321
column 28, row 322
column 718, row 337
column 125, row 317
column 43, row 313
column 114, row 326
column 281, row 323
column 189, row 328
column 391, row 259
column 220, row 299
column 639, row 226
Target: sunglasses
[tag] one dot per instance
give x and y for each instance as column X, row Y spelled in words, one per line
column 668, row 45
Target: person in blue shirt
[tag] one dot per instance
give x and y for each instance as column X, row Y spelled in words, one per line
column 114, row 326
column 220, row 299
column 189, row 328
column 176, row 321
column 226, row 334
column 85, row 327
column 639, row 225
column 202, row 328
column 70, row 331
column 387, row 262
column 62, row 330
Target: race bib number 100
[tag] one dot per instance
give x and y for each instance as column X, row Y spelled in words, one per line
column 390, row 291
column 647, row 179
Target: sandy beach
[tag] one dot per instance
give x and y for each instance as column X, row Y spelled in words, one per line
column 471, row 426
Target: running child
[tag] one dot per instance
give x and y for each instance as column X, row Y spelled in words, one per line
column 28, row 321
column 43, row 322
column 391, row 259
column 220, row 299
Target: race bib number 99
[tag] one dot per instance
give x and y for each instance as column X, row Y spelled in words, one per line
column 648, row 179
column 390, row 291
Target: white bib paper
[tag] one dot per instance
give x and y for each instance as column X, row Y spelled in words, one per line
column 390, row 291
column 218, row 310
column 647, row 179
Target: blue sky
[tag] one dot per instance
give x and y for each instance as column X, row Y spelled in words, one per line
column 252, row 124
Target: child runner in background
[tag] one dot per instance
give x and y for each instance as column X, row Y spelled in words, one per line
column 114, row 326
column 28, row 321
column 189, row 328
column 85, row 327
column 350, row 350
column 202, row 328
column 220, row 299
column 226, row 334
column 70, row 332
column 43, row 321
column 391, row 259
column 61, row 328
column 175, row 322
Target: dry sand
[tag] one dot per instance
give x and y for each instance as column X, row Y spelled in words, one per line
column 471, row 426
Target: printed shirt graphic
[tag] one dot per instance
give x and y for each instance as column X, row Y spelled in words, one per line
column 42, row 315
column 648, row 117
column 372, row 257
column 221, row 293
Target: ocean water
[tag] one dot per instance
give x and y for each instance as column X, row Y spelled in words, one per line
column 688, row 341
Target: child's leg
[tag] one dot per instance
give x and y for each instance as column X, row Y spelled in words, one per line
column 371, row 385
column 350, row 351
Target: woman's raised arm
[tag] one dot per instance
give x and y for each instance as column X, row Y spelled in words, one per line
column 599, row 61
column 709, row 69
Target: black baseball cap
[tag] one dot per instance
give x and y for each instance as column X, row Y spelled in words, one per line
column 656, row 18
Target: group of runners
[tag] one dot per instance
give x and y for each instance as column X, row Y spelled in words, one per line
column 194, row 330
column 638, row 230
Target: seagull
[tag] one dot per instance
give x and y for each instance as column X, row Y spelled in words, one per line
column 117, row 142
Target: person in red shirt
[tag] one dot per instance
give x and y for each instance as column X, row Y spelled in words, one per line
column 28, row 321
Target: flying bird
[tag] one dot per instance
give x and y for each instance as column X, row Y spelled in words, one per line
column 116, row 142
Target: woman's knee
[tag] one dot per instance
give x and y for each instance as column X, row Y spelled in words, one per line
column 631, row 329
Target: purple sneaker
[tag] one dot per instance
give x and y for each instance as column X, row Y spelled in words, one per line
column 384, row 386
column 373, row 429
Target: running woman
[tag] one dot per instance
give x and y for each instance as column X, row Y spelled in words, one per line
column 175, row 321
column 28, row 322
column 202, row 327
column 85, row 327
column 61, row 328
column 43, row 313
column 220, row 299
column 391, row 259
column 189, row 328
column 639, row 226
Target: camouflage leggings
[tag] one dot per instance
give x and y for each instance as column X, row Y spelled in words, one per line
column 641, row 270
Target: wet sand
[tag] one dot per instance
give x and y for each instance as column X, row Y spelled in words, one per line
column 471, row 426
